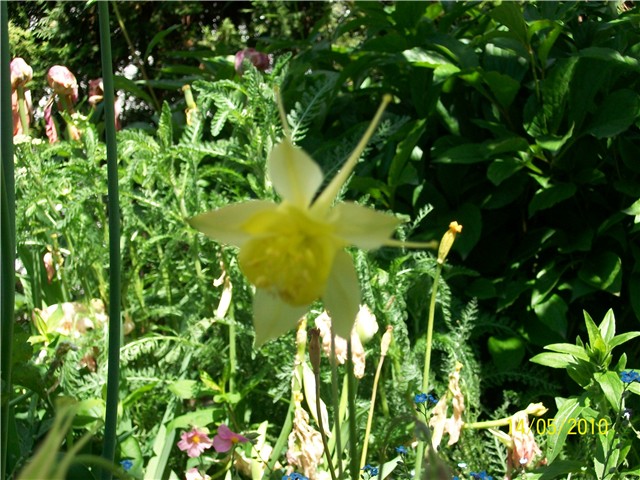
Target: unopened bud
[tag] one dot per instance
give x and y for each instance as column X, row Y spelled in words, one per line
column 536, row 409
column 63, row 81
column 314, row 349
column 386, row 341
column 447, row 241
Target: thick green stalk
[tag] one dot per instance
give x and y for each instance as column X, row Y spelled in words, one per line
column 22, row 110
column 427, row 361
column 337, row 419
column 8, row 225
column 115, row 321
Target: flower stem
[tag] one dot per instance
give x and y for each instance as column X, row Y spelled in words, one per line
column 22, row 110
column 365, row 443
column 115, row 320
column 323, row 434
column 427, row 360
column 353, row 431
column 337, row 419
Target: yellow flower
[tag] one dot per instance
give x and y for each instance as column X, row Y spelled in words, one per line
column 293, row 251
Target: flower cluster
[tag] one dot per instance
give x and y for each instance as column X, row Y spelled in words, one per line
column 421, row 398
column 629, row 376
column 370, row 470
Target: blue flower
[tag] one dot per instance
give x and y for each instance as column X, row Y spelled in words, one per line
column 481, row 475
column 420, row 398
column 294, row 476
column 402, row 450
column 432, row 399
column 629, row 376
column 126, row 464
column 372, row 471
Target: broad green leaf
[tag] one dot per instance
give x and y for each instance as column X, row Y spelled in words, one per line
column 158, row 37
column 479, row 152
column 201, row 418
column 503, row 87
column 575, row 350
column 610, row 55
column 501, row 169
column 507, row 354
column 510, row 15
column 184, row 389
column 615, row 114
column 570, row 408
column 611, row 386
column 603, row 271
column 553, row 360
column 553, row 313
column 548, row 197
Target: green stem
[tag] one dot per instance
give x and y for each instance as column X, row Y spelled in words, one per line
column 232, row 350
column 8, row 241
column 115, row 320
column 353, row 429
column 427, row 361
column 22, row 110
column 365, row 443
column 337, row 420
column 323, row 434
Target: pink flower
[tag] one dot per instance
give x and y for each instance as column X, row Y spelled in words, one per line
column 258, row 59
column 226, row 439
column 194, row 442
column 21, row 73
column 194, row 474
column 63, row 82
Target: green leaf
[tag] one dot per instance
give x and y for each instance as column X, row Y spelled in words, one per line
column 553, row 313
column 596, row 342
column 603, row 271
column 622, row 338
column 575, row 350
column 634, row 293
column 507, row 354
column 634, row 209
column 615, row 114
column 479, row 152
column 184, row 389
column 611, row 386
column 157, row 38
column 165, row 127
column 553, row 360
column 501, row 169
column 404, row 151
column 503, row 87
column 570, row 408
column 608, row 326
column 202, row 418
column 510, row 15
column 548, row 197
column 610, row 55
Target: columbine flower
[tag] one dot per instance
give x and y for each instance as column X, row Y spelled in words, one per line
column 226, row 439
column 63, row 82
column 259, row 60
column 126, row 464
column 629, row 376
column 402, row 450
column 293, row 251
column 194, row 442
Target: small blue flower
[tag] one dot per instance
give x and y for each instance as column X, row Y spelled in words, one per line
column 432, row 399
column 126, row 464
column 420, row 398
column 629, row 376
column 455, row 477
column 372, row 471
column 294, row 476
column 481, row 475
column 402, row 450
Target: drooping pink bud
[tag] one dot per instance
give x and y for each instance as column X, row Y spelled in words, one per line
column 49, row 123
column 21, row 73
column 96, row 91
column 63, row 82
column 259, row 60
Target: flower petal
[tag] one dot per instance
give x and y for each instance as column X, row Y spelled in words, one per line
column 227, row 224
column 342, row 297
column 272, row 317
column 363, row 227
column 294, row 174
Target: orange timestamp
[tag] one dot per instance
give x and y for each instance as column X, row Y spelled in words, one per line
column 553, row 426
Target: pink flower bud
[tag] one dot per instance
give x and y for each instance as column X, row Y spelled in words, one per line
column 96, row 91
column 258, row 59
column 63, row 81
column 21, row 73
